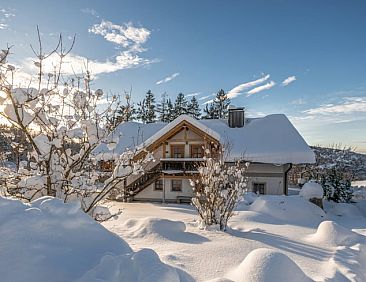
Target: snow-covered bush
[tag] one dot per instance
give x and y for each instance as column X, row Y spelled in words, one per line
column 64, row 120
column 311, row 190
column 217, row 189
column 336, row 187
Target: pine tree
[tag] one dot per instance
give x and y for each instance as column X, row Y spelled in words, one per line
column 126, row 112
column 146, row 108
column 219, row 107
column 162, row 109
column 180, row 105
column 336, row 188
column 141, row 111
column 210, row 112
column 220, row 104
column 150, row 107
column 194, row 108
column 170, row 111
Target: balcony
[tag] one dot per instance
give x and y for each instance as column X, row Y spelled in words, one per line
column 180, row 165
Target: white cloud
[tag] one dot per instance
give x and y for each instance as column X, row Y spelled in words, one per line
column 75, row 64
column 288, row 80
column 348, row 106
column 126, row 35
column 5, row 15
column 266, row 86
column 241, row 87
column 168, row 78
column 193, row 94
column 299, row 101
column 204, row 97
column 90, row 11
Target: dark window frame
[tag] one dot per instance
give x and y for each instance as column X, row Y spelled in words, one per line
column 180, row 147
column 173, row 189
column 159, row 185
column 259, row 187
column 198, row 153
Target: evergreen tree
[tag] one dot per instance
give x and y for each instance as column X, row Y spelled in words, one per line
column 336, row 187
column 146, row 108
column 162, row 109
column 126, row 112
column 210, row 112
column 141, row 111
column 180, row 105
column 220, row 104
column 150, row 107
column 219, row 107
column 170, row 111
column 194, row 108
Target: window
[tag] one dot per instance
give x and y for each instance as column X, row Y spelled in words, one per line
column 176, row 185
column 177, row 151
column 259, row 188
column 159, row 185
column 196, row 151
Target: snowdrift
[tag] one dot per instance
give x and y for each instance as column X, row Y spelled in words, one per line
column 332, row 234
column 161, row 229
column 266, row 265
column 48, row 240
column 287, row 210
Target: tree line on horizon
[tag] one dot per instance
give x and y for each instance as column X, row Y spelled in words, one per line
column 166, row 110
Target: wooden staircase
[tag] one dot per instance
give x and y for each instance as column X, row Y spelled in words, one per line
column 143, row 181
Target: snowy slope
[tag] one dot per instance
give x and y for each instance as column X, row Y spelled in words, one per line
column 52, row 241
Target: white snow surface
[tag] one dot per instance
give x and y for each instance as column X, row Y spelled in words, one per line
column 312, row 190
column 276, row 238
column 331, row 233
column 271, row 139
column 269, row 240
column 266, row 265
column 48, row 240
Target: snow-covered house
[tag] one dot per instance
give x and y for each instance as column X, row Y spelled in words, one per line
column 271, row 144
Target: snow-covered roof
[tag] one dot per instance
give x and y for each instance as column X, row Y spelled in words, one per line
column 131, row 134
column 270, row 139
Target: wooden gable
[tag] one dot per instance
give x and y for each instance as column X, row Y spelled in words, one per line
column 179, row 129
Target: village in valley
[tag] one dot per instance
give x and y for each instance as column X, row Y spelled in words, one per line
column 113, row 171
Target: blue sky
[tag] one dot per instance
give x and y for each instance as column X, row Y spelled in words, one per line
column 248, row 48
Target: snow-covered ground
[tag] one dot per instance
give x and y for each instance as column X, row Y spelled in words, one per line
column 52, row 241
column 277, row 238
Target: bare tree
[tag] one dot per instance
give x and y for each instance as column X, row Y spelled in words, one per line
column 64, row 121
